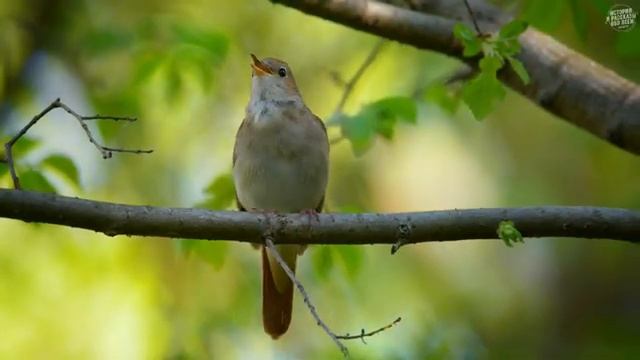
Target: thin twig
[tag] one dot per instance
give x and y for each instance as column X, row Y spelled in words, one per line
column 107, row 117
column 473, row 17
column 348, row 88
column 364, row 334
column 106, row 152
column 274, row 252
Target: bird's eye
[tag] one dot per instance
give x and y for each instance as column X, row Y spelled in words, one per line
column 282, row 72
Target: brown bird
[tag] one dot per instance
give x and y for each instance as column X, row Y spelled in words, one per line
column 280, row 163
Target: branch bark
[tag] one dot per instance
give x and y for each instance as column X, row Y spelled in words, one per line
column 564, row 82
column 398, row 229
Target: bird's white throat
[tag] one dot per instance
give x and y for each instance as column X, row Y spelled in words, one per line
column 263, row 111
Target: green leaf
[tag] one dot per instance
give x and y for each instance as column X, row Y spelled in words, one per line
column 472, row 49
column 602, row 6
column 464, row 33
column 400, row 107
column 508, row 47
column 221, row 193
column 545, row 15
column 441, row 96
column 519, row 68
column 217, row 44
column 322, row 261
column 482, row 94
column 34, row 180
column 472, row 44
column 359, row 131
column 380, row 118
column 100, row 42
column 513, row 29
column 212, row 252
column 174, row 80
column 4, row 169
column 490, row 64
column 627, row 44
column 146, row 67
column 196, row 60
column 508, row 233
column 20, row 148
column 352, row 258
column 64, row 166
column 579, row 14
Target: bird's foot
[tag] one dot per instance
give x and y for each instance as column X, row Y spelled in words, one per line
column 311, row 214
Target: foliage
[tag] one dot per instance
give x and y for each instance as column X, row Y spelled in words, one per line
column 377, row 118
column 444, row 97
column 35, row 175
column 64, row 166
column 484, row 91
column 508, row 233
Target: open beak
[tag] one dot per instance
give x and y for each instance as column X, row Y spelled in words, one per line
column 259, row 68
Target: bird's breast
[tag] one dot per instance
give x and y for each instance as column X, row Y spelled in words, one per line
column 282, row 163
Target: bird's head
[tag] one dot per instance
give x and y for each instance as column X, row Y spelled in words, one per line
column 272, row 80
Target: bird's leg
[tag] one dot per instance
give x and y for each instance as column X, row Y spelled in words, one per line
column 311, row 214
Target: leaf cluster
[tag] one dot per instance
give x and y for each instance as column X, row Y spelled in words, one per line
column 37, row 176
column 483, row 92
column 377, row 118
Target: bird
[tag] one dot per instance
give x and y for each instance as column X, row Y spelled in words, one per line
column 280, row 164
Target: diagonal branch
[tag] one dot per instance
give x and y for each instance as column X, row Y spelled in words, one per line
column 307, row 301
column 268, row 242
column 348, row 87
column 396, row 228
column 106, row 152
column 564, row 82
column 473, row 17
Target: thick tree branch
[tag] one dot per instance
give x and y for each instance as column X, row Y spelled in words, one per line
column 399, row 229
column 564, row 82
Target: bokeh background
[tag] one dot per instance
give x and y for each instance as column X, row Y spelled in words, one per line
column 182, row 68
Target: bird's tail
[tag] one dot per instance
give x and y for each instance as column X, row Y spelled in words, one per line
column 277, row 290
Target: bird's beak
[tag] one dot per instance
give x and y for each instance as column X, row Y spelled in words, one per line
column 259, row 68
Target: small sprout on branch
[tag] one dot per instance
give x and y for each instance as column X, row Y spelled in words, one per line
column 402, row 233
column 377, row 118
column 508, row 233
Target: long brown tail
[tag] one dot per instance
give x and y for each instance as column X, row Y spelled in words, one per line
column 276, row 305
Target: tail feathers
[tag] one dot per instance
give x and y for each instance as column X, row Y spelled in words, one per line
column 276, row 304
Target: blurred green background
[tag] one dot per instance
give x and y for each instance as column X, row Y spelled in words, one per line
column 182, row 67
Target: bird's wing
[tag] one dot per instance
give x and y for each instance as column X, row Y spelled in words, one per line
column 241, row 129
column 317, row 118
